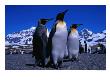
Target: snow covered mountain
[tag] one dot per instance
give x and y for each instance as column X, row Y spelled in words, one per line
column 25, row 37
column 92, row 38
column 22, row 37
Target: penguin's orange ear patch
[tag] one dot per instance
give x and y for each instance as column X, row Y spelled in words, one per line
column 61, row 24
column 73, row 30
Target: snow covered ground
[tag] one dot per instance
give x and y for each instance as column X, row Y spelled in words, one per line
column 86, row 62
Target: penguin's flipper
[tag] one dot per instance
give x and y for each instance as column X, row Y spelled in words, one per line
column 52, row 31
column 49, row 44
column 69, row 32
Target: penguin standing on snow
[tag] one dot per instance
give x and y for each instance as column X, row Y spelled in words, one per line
column 73, row 42
column 40, row 42
column 85, row 46
column 57, row 40
column 80, row 47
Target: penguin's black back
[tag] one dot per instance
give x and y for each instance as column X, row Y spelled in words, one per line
column 39, row 41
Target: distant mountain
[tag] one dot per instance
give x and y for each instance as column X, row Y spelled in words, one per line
column 22, row 37
column 92, row 38
column 25, row 37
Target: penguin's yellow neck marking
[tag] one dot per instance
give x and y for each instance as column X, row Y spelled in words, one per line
column 73, row 30
column 61, row 24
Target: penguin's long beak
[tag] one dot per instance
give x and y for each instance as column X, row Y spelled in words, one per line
column 39, row 22
column 65, row 11
column 46, row 20
column 79, row 24
column 49, row 19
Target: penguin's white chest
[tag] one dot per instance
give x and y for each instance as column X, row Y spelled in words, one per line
column 73, row 43
column 74, row 35
column 60, row 38
column 59, row 43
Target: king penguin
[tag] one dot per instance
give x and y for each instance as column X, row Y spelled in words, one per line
column 73, row 42
column 40, row 42
column 57, row 40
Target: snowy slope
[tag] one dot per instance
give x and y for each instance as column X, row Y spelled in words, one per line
column 25, row 37
column 22, row 37
column 92, row 38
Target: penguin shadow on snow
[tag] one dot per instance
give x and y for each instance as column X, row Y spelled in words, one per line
column 30, row 65
column 34, row 65
column 71, row 60
column 51, row 66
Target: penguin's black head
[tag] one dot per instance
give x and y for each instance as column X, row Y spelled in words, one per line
column 44, row 21
column 61, row 15
column 84, row 41
column 75, row 25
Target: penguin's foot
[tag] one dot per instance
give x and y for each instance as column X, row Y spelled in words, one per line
column 60, row 64
column 55, row 66
column 42, row 64
column 67, row 57
column 49, row 64
column 76, row 59
column 35, row 64
column 72, row 60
